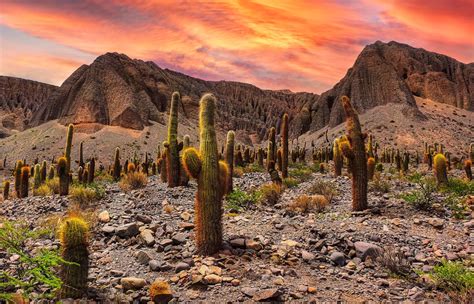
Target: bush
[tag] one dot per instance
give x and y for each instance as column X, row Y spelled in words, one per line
column 35, row 273
column 42, row 190
column 84, row 196
column 325, row 188
column 133, row 180
column 421, row 199
column 253, row 168
column 379, row 185
column 415, row 177
column 456, row 205
column 290, row 182
column 301, row 174
column 53, row 185
column 458, row 186
column 305, row 203
column 453, row 276
column 268, row 194
column 394, row 260
column 239, row 199
column 238, row 172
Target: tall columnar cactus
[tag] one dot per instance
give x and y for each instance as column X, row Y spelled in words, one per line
column 25, row 180
column 63, row 176
column 73, row 234
column 229, row 158
column 260, row 157
column 19, row 165
column 406, row 161
column 172, row 158
column 440, row 169
column 337, row 157
column 467, row 169
column 370, row 150
column 67, row 150
column 80, row 174
column 370, row 168
column 270, row 159
column 247, row 156
column 284, row 146
column 272, row 139
column 354, row 150
column 6, row 190
column 44, row 171
column 117, row 168
column 37, row 177
column 184, row 177
column 279, row 161
column 51, row 172
column 81, row 155
column 211, row 175
column 91, row 173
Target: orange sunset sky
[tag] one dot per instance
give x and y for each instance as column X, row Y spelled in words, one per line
column 298, row 45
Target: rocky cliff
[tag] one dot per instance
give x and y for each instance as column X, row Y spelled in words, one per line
column 19, row 99
column 393, row 73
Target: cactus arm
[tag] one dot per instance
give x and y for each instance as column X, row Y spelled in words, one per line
column 192, row 162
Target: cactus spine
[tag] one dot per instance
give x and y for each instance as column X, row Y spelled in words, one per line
column 229, row 158
column 440, row 169
column 67, row 150
column 6, row 190
column 73, row 234
column 354, row 150
column 284, row 147
column 117, row 168
column 211, row 178
column 172, row 157
column 24, row 184
column 63, row 176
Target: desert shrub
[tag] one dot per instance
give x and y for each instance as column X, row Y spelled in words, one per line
column 253, row 168
column 238, row 172
column 379, row 185
column 415, row 177
column 302, row 174
column 35, row 274
column 43, row 190
column 53, row 185
column 458, row 186
column 133, row 180
column 453, row 276
column 268, row 193
column 305, row 203
column 290, row 182
column 239, row 199
column 83, row 196
column 325, row 188
column 421, row 199
column 394, row 260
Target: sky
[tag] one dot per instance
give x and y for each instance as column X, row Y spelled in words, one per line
column 301, row 45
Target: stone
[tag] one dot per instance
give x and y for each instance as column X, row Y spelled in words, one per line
column 108, row 229
column 338, row 258
column 154, row 265
column 185, row 216
column 266, row 295
column 132, row 283
column 147, row 237
column 307, row 256
column 104, row 217
column 212, row 279
column 143, row 218
column 238, row 243
column 249, row 291
column 181, row 266
column 436, row 222
column 143, row 257
column 251, row 244
column 127, row 231
column 179, row 238
column 364, row 250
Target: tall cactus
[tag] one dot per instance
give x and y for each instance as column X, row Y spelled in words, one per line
column 19, row 165
column 211, row 175
column 440, row 169
column 25, row 181
column 284, row 146
column 67, row 149
column 467, row 169
column 370, row 168
column 81, row 155
column 91, row 173
column 73, row 234
column 44, row 171
column 354, row 150
column 229, row 158
column 37, row 177
column 117, row 168
column 270, row 158
column 173, row 148
column 6, row 190
column 337, row 156
column 63, row 176
column 471, row 152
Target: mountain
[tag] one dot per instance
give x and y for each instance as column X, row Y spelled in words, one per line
column 395, row 73
column 19, row 99
column 119, row 91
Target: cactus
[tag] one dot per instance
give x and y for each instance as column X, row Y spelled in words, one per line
column 19, row 165
column 337, row 156
column 117, row 168
column 370, row 150
column 270, row 159
column 354, row 150
column 260, row 157
column 229, row 158
column 153, row 168
column 172, row 158
column 272, row 139
column 67, row 150
column 80, row 174
column 73, row 235
column 247, row 156
column 63, row 176
column 160, row 292
column 162, row 167
column 440, row 169
column 406, row 161
column 130, row 168
column 370, row 168
column 37, row 177
column 467, row 169
column 81, row 155
column 44, row 169
column 211, row 175
column 284, row 146
column 25, row 179
column 279, row 160
column 91, row 175
column 6, row 190
column 51, row 172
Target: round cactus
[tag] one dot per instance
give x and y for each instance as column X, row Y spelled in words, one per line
column 440, row 169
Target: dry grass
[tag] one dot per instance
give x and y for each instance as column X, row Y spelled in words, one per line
column 324, row 188
column 82, row 196
column 238, row 172
column 306, row 203
column 269, row 193
column 53, row 185
column 43, row 190
column 132, row 181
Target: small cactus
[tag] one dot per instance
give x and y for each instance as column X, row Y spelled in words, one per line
column 67, row 150
column 440, row 169
column 6, row 190
column 131, row 168
column 229, row 158
column 211, row 175
column 279, row 160
column 81, row 155
column 37, row 177
column 73, row 235
column 467, row 169
column 337, row 156
column 172, row 158
column 18, row 166
column 117, row 168
column 51, row 172
column 44, row 170
column 25, row 180
column 63, row 176
column 370, row 168
column 91, row 173
column 160, row 292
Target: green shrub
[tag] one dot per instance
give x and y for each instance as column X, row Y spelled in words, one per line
column 325, row 188
column 239, row 199
column 458, row 186
column 453, row 276
column 133, row 180
column 43, row 190
column 268, row 193
column 305, row 203
column 415, row 177
column 290, row 182
column 53, row 185
column 421, row 199
column 84, row 196
column 456, row 205
column 302, row 174
column 379, row 185
column 253, row 168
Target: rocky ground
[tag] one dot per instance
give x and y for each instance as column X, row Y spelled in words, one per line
column 269, row 253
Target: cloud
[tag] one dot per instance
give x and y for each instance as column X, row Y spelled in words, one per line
column 301, row 45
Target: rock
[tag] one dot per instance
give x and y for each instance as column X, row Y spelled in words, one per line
column 104, row 217
column 132, row 283
column 127, row 231
column 251, row 244
column 238, row 243
column 108, row 229
column 185, row 216
column 143, row 257
column 249, row 291
column 338, row 258
column 212, row 279
column 160, row 292
column 181, row 266
column 179, row 238
column 154, row 265
column 143, row 218
column 147, row 237
column 266, row 295
column 290, row 243
column 311, row 289
column 436, row 222
column 364, row 250
column 307, row 256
